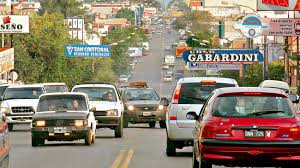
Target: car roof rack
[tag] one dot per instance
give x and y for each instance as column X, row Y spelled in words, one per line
column 96, row 82
column 135, row 85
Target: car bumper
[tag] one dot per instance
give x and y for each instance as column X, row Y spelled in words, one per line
column 71, row 133
column 19, row 119
column 145, row 116
column 245, row 153
column 107, row 122
column 179, row 134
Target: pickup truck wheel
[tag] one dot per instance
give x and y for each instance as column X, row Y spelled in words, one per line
column 125, row 123
column 88, row 138
column 37, row 141
column 195, row 161
column 162, row 124
column 94, row 138
column 10, row 127
column 119, row 129
column 171, row 148
column 152, row 124
column 5, row 162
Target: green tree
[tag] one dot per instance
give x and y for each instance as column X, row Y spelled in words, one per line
column 126, row 13
column 39, row 55
column 179, row 23
column 68, row 8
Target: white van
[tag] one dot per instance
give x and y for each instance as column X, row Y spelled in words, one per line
column 170, row 60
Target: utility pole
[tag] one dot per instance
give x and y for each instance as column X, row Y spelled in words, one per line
column 286, row 60
column 265, row 67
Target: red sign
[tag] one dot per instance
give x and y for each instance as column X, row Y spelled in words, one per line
column 284, row 3
column 278, row 5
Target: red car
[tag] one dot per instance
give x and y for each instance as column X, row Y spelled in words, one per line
column 246, row 127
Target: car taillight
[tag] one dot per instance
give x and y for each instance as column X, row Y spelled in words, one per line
column 209, row 130
column 294, row 131
column 176, row 94
column 173, row 118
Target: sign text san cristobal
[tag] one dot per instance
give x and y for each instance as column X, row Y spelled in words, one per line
column 223, row 56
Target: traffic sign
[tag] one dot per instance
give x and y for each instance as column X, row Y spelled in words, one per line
column 81, row 50
column 293, row 89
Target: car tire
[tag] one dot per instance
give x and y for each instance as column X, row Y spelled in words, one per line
column 171, row 148
column 88, row 138
column 195, row 161
column 162, row 124
column 5, row 162
column 10, row 127
column 37, row 141
column 119, row 129
column 203, row 164
column 125, row 123
column 152, row 124
column 94, row 138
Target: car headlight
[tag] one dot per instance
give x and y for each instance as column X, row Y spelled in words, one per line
column 161, row 107
column 40, row 123
column 113, row 112
column 130, row 108
column 5, row 110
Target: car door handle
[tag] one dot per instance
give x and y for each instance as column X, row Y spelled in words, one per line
column 185, row 108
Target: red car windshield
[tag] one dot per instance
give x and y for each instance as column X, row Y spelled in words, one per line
column 252, row 107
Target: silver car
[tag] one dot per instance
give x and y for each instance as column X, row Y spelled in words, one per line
column 189, row 95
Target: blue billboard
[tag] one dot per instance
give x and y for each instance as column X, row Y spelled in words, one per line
column 223, row 56
column 81, row 50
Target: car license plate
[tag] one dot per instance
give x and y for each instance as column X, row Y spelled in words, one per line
column 254, row 134
column 60, row 130
column 145, row 114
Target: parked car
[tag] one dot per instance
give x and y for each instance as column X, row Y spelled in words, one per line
column 109, row 105
column 189, row 95
column 63, row 117
column 246, row 127
column 55, row 87
column 168, row 48
column 19, row 103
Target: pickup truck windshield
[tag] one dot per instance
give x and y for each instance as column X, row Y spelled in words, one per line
column 98, row 93
column 23, row 93
column 62, row 103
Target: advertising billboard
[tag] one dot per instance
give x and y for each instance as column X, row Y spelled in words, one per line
column 6, row 60
column 81, row 50
column 198, row 66
column 14, row 24
column 278, row 5
column 282, row 27
column 223, row 56
column 135, row 52
column 179, row 50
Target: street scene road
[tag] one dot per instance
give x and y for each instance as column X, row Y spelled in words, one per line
column 140, row 147
column 149, row 84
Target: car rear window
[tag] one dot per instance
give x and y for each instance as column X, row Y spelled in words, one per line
column 252, row 107
column 197, row 93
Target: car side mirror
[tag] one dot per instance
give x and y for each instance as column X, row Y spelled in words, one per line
column 1, row 98
column 93, row 109
column 294, row 98
column 192, row 116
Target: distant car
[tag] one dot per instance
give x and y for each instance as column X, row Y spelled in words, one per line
column 246, row 127
column 168, row 48
column 179, row 74
column 169, row 72
column 123, row 78
column 174, row 45
column 55, row 87
column 189, row 95
column 168, row 78
column 143, row 105
column 63, row 117
column 275, row 84
column 165, row 67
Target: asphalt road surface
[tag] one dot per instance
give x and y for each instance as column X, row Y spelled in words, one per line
column 140, row 147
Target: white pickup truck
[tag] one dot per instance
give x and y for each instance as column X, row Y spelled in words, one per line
column 19, row 103
column 169, row 60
